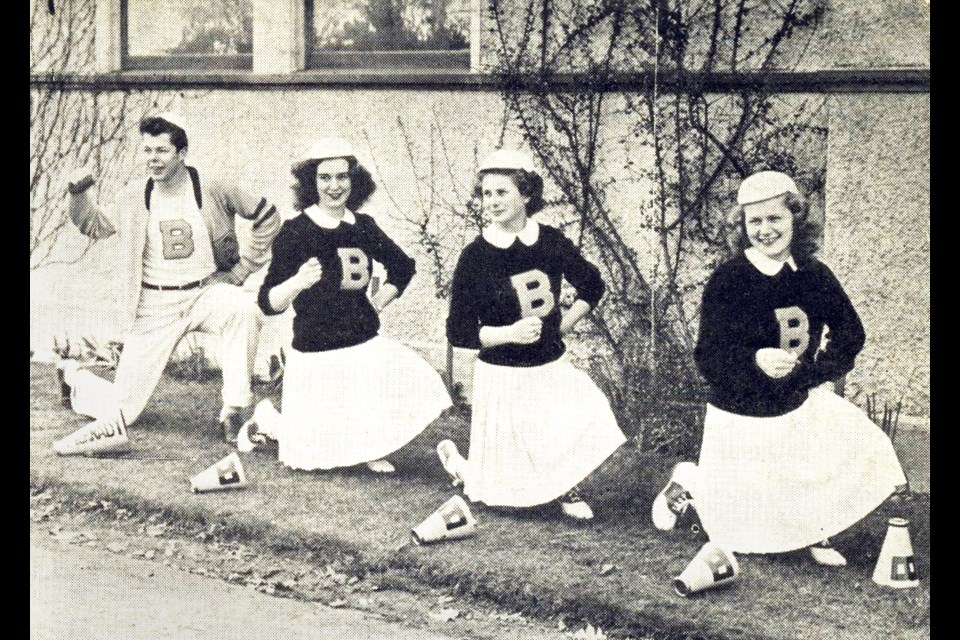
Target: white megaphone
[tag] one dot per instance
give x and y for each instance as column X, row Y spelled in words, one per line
column 224, row 474
column 99, row 436
column 452, row 520
column 711, row 567
column 896, row 567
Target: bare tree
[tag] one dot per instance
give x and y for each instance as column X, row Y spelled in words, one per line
column 694, row 145
column 583, row 79
column 71, row 127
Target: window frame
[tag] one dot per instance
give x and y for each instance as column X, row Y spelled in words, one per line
column 386, row 61
column 175, row 62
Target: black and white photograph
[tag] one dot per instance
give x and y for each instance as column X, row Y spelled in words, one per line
column 479, row 319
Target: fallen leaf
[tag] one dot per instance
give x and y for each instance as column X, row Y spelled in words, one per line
column 607, row 569
column 69, row 537
column 149, row 554
column 353, row 580
column 444, row 615
column 336, row 603
column 445, row 599
column 156, row 530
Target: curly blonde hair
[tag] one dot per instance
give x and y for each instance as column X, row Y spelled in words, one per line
column 807, row 229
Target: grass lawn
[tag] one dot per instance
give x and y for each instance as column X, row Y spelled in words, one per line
column 535, row 561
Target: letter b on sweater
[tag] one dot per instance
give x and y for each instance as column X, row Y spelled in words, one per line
column 533, row 292
column 356, row 271
column 794, row 329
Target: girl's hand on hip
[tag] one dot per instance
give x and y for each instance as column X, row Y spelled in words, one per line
column 776, row 363
column 526, row 330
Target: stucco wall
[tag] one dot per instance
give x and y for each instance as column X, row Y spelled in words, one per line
column 878, row 238
column 421, row 147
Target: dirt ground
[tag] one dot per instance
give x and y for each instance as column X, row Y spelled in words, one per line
column 97, row 572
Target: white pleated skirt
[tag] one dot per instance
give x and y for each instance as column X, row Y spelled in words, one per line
column 535, row 433
column 347, row 406
column 770, row 485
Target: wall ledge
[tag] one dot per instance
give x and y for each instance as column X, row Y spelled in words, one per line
column 834, row 81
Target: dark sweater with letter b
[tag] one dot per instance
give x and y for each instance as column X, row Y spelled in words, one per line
column 744, row 310
column 496, row 287
column 335, row 312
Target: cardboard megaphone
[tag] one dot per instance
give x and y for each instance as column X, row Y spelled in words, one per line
column 99, row 436
column 452, row 520
column 225, row 474
column 90, row 395
column 711, row 567
column 895, row 567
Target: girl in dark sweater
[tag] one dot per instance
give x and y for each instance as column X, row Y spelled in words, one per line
column 785, row 463
column 539, row 426
column 350, row 396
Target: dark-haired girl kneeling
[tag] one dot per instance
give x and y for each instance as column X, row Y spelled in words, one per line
column 350, row 396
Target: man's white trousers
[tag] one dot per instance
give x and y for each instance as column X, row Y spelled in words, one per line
column 162, row 319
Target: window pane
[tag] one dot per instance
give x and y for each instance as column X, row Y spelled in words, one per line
column 186, row 33
column 390, row 33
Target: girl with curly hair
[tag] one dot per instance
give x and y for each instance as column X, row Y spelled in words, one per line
column 784, row 463
column 350, row 396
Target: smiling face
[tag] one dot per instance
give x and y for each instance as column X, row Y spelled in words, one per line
column 163, row 159
column 333, row 183
column 503, row 204
column 769, row 226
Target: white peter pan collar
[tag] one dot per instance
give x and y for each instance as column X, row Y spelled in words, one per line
column 765, row 264
column 325, row 220
column 503, row 239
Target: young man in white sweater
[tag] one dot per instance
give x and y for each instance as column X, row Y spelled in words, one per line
column 185, row 247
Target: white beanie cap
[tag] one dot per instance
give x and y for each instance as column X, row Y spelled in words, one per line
column 765, row 185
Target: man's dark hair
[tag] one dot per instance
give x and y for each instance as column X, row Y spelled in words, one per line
column 157, row 126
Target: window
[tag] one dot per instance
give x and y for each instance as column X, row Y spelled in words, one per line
column 187, row 34
column 383, row 35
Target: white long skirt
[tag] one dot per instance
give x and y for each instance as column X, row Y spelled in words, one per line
column 357, row 404
column 769, row 485
column 536, row 432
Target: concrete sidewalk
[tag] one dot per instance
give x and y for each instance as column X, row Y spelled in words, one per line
column 532, row 561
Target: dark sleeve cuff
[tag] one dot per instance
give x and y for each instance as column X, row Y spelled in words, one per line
column 263, row 301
